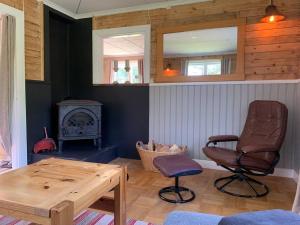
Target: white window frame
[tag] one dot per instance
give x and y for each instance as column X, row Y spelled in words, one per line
column 99, row 35
column 19, row 134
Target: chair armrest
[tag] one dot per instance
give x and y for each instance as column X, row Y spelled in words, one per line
column 257, row 149
column 251, row 150
column 223, row 138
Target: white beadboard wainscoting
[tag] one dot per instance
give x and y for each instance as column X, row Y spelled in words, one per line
column 189, row 114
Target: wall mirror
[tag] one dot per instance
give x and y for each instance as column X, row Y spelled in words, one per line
column 201, row 52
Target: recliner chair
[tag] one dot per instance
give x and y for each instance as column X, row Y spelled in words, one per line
column 257, row 151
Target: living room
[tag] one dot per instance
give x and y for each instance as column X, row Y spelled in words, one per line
column 154, row 94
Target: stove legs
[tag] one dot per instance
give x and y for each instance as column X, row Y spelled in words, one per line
column 97, row 143
column 60, row 145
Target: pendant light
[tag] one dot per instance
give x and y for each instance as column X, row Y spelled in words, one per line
column 272, row 14
column 168, row 67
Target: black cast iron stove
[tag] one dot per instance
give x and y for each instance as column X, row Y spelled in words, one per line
column 79, row 120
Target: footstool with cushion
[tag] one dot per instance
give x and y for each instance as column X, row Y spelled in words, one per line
column 175, row 166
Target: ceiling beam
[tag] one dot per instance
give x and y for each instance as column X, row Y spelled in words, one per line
column 60, row 9
column 150, row 6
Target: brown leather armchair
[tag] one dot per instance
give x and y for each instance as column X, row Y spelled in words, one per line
column 257, row 151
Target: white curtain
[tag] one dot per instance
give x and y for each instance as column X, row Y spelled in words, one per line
column 141, row 70
column 7, row 57
column 184, row 66
column 226, row 65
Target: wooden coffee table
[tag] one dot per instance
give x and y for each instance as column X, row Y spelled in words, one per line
column 53, row 191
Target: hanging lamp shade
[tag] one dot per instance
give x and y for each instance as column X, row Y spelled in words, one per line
column 272, row 14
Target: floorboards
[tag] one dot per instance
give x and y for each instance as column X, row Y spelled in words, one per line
column 143, row 202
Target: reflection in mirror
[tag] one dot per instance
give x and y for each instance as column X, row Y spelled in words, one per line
column 123, row 57
column 201, row 52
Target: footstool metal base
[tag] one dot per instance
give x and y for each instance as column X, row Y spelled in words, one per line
column 177, row 190
column 175, row 166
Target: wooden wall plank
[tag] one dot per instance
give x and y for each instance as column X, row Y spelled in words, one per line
column 34, row 40
column 34, row 36
column 18, row 4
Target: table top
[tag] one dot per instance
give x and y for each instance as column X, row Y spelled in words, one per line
column 37, row 188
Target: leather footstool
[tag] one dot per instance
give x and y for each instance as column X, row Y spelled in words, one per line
column 175, row 166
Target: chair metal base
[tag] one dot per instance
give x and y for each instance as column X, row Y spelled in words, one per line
column 242, row 178
column 177, row 190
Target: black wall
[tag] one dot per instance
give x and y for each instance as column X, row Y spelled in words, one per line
column 38, row 111
column 126, row 108
column 41, row 97
column 59, row 40
column 68, row 72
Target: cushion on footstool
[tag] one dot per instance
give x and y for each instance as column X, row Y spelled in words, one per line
column 176, row 165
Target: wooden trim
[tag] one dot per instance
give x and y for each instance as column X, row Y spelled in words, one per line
column 121, row 58
column 246, row 82
column 121, row 85
column 240, row 68
column 159, row 55
column 210, row 78
column 240, row 57
column 200, row 26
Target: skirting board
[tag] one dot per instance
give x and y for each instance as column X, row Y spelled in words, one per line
column 279, row 172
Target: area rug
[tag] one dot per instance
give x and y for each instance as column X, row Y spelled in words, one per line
column 85, row 218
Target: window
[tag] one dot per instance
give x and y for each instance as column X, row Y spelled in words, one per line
column 204, row 67
column 118, row 45
column 131, row 73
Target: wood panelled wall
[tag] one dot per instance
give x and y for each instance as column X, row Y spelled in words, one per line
column 272, row 51
column 18, row 4
column 34, row 40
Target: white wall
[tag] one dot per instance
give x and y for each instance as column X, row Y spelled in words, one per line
column 297, row 131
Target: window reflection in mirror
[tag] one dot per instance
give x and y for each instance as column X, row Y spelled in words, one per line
column 123, row 57
column 201, row 52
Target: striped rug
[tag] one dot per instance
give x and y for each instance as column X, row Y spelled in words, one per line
column 85, row 218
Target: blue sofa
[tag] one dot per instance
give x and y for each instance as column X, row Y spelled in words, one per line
column 191, row 218
column 269, row 217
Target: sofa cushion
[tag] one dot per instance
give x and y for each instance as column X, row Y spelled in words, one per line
column 190, row 218
column 269, row 217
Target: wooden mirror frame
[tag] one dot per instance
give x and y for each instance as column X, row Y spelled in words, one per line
column 240, row 65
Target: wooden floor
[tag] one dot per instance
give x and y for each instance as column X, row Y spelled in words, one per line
column 143, row 202
column 4, row 170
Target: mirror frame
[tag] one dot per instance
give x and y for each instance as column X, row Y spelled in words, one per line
column 240, row 65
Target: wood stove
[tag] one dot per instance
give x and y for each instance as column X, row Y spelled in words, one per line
column 79, row 120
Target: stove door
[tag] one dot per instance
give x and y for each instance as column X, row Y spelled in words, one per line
column 80, row 123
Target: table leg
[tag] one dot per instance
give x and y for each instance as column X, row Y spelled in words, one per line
column 62, row 214
column 120, row 199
